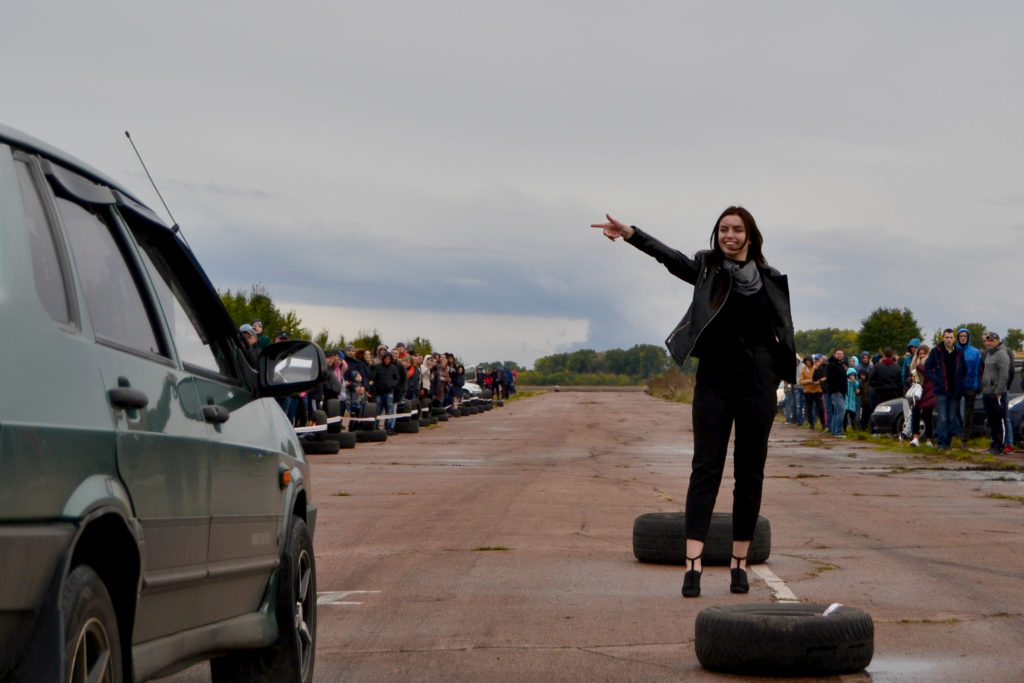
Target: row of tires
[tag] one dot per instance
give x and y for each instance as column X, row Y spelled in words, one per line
column 364, row 429
column 761, row 639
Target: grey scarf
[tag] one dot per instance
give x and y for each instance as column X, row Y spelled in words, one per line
column 746, row 278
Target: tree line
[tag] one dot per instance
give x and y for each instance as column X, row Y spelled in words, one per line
column 889, row 328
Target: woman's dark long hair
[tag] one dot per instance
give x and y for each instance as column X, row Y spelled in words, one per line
column 754, row 238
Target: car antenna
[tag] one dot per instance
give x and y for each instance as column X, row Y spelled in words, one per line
column 174, row 228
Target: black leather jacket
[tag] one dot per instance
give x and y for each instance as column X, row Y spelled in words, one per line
column 712, row 284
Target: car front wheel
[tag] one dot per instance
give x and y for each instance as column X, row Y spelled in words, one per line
column 92, row 644
column 291, row 657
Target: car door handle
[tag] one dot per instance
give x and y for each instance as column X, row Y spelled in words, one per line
column 216, row 414
column 126, row 397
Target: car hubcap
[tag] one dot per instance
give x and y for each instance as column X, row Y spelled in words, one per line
column 91, row 661
column 304, row 606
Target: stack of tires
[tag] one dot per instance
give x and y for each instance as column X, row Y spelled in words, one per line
column 758, row 639
column 317, row 443
column 365, row 428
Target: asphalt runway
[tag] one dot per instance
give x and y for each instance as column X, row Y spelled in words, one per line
column 499, row 547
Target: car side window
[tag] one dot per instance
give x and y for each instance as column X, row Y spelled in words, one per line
column 193, row 344
column 113, row 296
column 46, row 262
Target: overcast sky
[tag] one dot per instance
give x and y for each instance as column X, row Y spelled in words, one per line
column 431, row 168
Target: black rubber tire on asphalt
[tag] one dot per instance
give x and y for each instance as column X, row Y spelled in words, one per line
column 291, row 658
column 377, row 435
column 344, row 439
column 362, row 436
column 319, row 418
column 316, row 447
column 454, row 412
column 426, row 421
column 409, row 427
column 436, row 410
column 369, row 410
column 897, row 425
column 332, row 407
column 90, row 623
column 784, row 639
column 443, row 417
column 499, row 403
column 486, row 393
column 660, row 537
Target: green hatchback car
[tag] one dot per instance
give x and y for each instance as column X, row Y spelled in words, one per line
column 155, row 506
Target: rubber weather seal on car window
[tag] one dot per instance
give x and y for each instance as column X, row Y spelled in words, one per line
column 76, row 187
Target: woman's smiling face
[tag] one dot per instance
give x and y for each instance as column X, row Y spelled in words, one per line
column 732, row 237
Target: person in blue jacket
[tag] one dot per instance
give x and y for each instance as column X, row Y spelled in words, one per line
column 972, row 363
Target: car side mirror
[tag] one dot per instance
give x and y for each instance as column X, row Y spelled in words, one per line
column 290, row 367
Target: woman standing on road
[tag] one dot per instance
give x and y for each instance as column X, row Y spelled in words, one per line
column 740, row 327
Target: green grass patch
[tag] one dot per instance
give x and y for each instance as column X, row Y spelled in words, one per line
column 341, row 493
column 1003, row 496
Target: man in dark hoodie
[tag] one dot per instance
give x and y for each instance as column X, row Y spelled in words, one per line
column 384, row 380
column 946, row 369
column 972, row 362
column 836, row 379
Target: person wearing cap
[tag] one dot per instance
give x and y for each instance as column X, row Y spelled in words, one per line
column 281, row 336
column 261, row 339
column 251, row 339
column 996, row 369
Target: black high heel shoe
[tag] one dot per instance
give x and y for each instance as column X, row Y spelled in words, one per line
column 739, row 577
column 691, row 580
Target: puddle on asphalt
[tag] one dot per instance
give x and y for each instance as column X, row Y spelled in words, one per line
column 881, row 666
column 947, row 475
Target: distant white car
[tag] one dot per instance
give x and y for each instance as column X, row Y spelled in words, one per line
column 471, row 389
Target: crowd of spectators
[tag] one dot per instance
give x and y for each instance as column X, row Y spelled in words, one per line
column 387, row 377
column 939, row 384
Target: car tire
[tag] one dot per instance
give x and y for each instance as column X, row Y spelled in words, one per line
column 362, row 436
column 315, row 447
column 499, row 403
column 897, row 425
column 486, row 393
column 291, row 658
column 426, row 421
column 377, row 435
column 409, row 427
column 784, row 639
column 343, row 439
column 660, row 538
column 319, row 418
column 443, row 417
column 92, row 642
column 332, row 407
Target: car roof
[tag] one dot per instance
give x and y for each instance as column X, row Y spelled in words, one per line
column 26, row 141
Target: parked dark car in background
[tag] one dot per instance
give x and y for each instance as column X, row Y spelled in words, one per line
column 154, row 504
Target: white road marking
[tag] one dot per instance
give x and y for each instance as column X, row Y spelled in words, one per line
column 338, row 597
column 778, row 586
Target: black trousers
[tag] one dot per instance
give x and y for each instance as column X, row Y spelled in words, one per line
column 714, row 415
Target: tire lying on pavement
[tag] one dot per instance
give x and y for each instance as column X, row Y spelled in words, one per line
column 409, row 427
column 314, row 447
column 343, row 439
column 332, row 407
column 784, row 639
column 660, row 537
column 377, row 435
